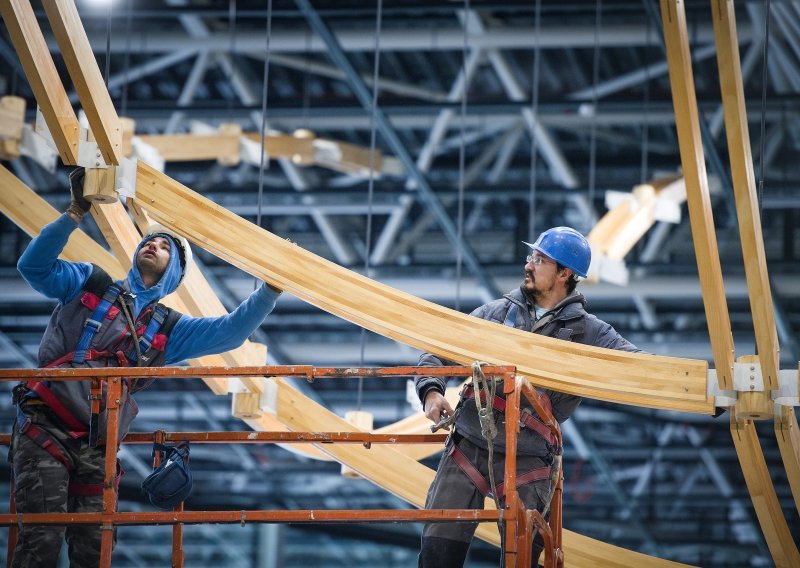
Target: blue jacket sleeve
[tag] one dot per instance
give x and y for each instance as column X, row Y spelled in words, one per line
column 40, row 266
column 194, row 337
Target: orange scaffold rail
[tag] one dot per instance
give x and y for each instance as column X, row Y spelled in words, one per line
column 519, row 524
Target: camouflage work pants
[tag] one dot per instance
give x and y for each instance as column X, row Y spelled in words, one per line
column 445, row 545
column 41, row 486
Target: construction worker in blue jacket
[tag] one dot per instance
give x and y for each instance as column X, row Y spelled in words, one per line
column 56, row 468
column 546, row 303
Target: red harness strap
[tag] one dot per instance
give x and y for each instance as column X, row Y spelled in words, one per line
column 480, row 482
column 46, row 442
column 46, row 395
column 526, row 418
column 93, row 489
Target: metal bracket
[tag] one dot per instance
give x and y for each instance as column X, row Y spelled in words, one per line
column 747, row 377
column 125, row 177
column 787, row 393
column 38, row 148
column 250, row 152
column 722, row 398
column 89, row 155
column 268, row 402
column 147, row 153
column 43, row 131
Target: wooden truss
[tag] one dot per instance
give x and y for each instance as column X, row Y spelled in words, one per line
column 644, row 380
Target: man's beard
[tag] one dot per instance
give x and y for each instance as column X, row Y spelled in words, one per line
column 529, row 288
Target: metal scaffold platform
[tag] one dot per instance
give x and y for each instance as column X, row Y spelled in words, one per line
column 517, row 524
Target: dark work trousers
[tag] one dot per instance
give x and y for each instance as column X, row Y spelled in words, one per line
column 41, row 486
column 445, row 545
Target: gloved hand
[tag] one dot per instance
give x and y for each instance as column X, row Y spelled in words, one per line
column 78, row 206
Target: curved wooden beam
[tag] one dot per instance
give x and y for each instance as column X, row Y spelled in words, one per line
column 788, row 436
column 697, row 195
column 762, row 492
column 629, row 378
column 744, row 189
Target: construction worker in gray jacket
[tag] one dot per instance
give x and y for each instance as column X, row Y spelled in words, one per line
column 546, row 303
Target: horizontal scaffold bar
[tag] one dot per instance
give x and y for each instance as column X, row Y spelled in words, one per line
column 243, row 517
column 306, row 371
column 249, row 437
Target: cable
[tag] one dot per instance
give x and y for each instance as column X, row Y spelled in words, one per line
column 537, row 56
column 123, row 107
column 108, row 45
column 762, row 142
column 262, row 164
column 462, row 159
column 595, row 81
column 231, row 50
column 646, row 122
column 371, row 184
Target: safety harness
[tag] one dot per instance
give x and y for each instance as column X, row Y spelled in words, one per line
column 527, row 420
column 38, row 391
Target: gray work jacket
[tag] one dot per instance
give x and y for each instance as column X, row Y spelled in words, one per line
column 569, row 321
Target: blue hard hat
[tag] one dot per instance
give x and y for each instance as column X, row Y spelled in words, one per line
column 567, row 247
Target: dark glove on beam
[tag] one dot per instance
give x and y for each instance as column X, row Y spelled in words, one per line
column 78, row 206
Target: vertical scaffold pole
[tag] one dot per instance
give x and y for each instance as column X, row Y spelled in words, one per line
column 113, row 401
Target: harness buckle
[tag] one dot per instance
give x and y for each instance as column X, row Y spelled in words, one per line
column 524, row 415
column 94, row 324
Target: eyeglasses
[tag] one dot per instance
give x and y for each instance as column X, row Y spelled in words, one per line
column 538, row 260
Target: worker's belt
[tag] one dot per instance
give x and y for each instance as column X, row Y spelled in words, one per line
column 480, row 482
column 526, row 420
column 77, row 429
column 48, row 443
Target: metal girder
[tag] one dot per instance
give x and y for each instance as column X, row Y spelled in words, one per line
column 189, row 88
column 546, row 144
column 490, row 291
column 633, row 78
column 405, row 39
column 144, row 70
column 306, row 65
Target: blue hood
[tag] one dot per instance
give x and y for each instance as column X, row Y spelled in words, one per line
column 168, row 283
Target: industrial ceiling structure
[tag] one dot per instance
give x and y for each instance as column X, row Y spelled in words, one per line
column 502, row 119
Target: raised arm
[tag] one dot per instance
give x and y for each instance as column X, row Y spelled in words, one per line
column 40, row 266
column 194, row 337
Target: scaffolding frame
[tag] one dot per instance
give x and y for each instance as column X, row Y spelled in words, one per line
column 518, row 525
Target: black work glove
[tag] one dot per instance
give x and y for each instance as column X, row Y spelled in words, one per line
column 78, row 206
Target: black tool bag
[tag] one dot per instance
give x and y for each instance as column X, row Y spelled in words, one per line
column 171, row 482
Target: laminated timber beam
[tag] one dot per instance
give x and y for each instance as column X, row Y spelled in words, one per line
column 788, row 436
column 28, row 40
column 697, row 194
column 82, row 66
column 762, row 493
column 744, row 189
column 628, row 378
